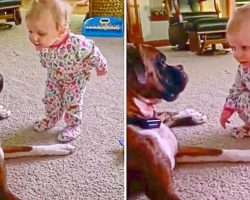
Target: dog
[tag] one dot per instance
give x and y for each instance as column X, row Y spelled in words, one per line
column 152, row 148
column 21, row 151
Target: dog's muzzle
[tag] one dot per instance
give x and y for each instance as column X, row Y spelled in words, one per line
column 174, row 80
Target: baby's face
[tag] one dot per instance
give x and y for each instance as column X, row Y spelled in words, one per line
column 42, row 32
column 240, row 44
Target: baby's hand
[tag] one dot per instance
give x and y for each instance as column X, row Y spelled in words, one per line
column 101, row 71
column 225, row 115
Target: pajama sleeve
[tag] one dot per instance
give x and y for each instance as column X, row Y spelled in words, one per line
column 43, row 63
column 42, row 60
column 92, row 56
column 234, row 93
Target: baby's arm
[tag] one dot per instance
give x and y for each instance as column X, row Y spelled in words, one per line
column 98, row 61
column 42, row 60
column 234, row 93
column 230, row 105
column 95, row 58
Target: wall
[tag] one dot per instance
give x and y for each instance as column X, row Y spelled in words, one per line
column 157, row 30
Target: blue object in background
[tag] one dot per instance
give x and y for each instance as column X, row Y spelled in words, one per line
column 103, row 27
column 121, row 142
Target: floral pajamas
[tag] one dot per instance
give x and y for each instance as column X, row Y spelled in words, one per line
column 239, row 95
column 68, row 71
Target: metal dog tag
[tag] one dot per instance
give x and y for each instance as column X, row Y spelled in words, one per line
column 151, row 123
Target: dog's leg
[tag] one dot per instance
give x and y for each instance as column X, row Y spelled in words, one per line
column 186, row 117
column 20, row 151
column 42, row 150
column 5, row 194
column 190, row 154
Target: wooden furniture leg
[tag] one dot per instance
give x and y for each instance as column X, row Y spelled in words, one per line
column 194, row 42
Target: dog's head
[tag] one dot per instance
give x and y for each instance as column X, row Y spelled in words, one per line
column 1, row 83
column 150, row 76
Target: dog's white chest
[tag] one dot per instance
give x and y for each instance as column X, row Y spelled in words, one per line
column 166, row 139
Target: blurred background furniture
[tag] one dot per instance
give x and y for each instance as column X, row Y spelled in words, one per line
column 192, row 23
column 239, row 3
column 112, row 8
column 205, row 34
column 10, row 11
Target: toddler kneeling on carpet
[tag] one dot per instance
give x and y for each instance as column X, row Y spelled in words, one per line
column 68, row 58
column 238, row 99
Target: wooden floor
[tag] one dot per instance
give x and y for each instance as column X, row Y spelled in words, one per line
column 77, row 10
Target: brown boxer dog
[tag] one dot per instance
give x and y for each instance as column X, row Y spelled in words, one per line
column 152, row 148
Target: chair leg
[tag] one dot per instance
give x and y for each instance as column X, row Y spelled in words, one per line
column 194, row 42
column 178, row 36
column 17, row 17
column 225, row 45
column 203, row 44
column 213, row 47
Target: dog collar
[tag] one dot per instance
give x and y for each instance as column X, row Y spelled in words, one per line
column 144, row 123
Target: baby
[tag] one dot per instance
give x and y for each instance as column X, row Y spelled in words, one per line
column 238, row 100
column 68, row 58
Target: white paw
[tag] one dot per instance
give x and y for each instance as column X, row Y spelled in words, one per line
column 1, row 154
column 4, row 113
column 197, row 117
column 239, row 132
column 54, row 150
column 64, row 148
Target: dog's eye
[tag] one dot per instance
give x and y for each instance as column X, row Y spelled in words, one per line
column 162, row 63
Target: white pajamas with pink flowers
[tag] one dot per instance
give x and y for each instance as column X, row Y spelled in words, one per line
column 239, row 95
column 69, row 66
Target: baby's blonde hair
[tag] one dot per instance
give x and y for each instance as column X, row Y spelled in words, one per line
column 60, row 10
column 240, row 17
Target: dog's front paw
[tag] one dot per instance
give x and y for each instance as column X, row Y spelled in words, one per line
column 240, row 132
column 4, row 113
column 194, row 117
column 198, row 118
column 66, row 148
column 55, row 149
column 188, row 117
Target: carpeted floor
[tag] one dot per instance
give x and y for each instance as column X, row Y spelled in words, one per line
column 210, row 79
column 95, row 170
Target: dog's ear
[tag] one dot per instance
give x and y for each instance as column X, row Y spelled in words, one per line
column 135, row 63
column 1, row 83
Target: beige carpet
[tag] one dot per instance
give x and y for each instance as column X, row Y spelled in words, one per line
column 95, row 170
column 210, row 79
